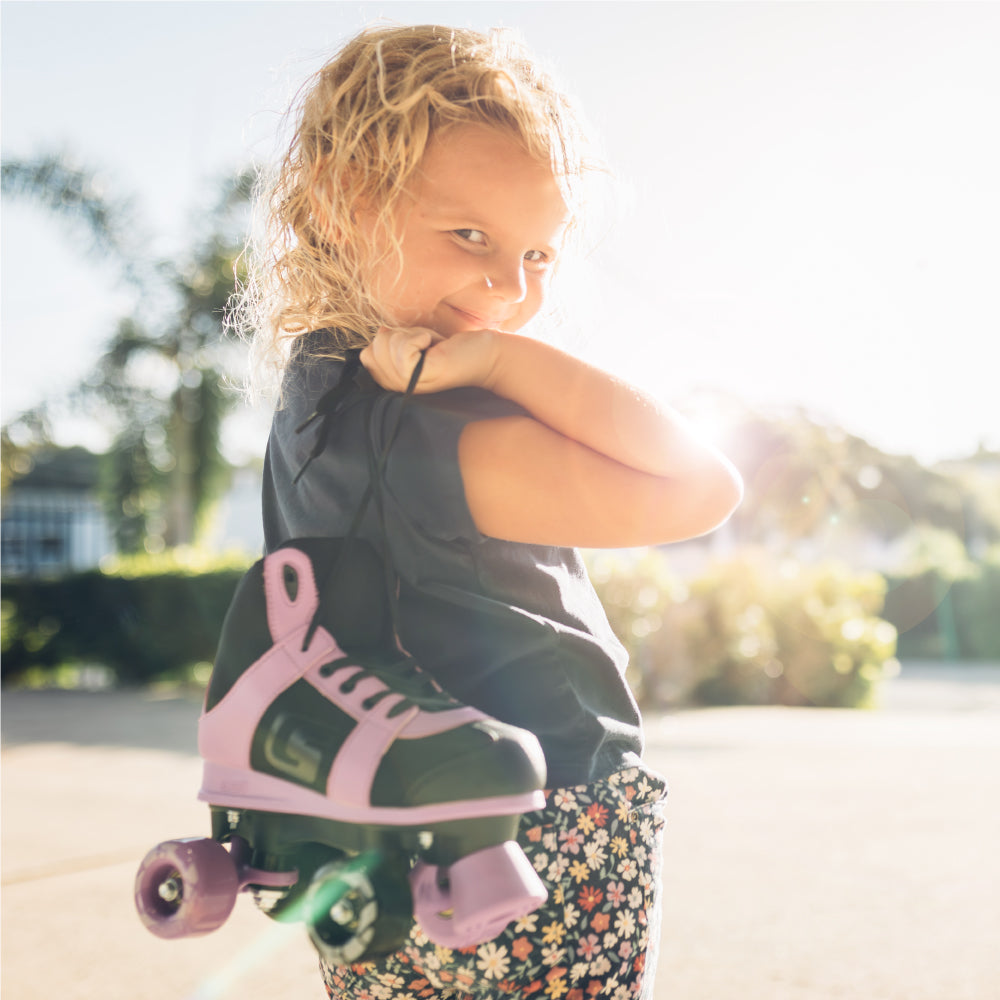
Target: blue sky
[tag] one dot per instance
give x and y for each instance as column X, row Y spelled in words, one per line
column 810, row 208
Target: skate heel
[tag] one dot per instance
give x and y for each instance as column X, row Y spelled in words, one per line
column 474, row 899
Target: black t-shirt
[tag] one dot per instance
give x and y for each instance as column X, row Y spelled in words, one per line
column 515, row 630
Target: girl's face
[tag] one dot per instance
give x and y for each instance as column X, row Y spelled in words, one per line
column 479, row 230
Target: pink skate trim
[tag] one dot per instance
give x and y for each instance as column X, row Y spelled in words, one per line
column 485, row 891
column 225, row 734
column 239, row 788
column 283, row 614
column 360, row 756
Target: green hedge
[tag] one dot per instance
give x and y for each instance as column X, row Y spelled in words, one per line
column 941, row 617
column 752, row 630
column 142, row 621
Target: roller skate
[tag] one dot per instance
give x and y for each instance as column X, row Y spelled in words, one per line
column 346, row 789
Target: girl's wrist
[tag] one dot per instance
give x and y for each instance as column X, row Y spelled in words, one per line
column 518, row 363
column 493, row 369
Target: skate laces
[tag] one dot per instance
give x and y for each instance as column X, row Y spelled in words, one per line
column 418, row 688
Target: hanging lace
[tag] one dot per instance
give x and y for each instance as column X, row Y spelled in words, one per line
column 326, row 408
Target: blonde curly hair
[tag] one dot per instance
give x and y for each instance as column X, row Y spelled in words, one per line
column 362, row 123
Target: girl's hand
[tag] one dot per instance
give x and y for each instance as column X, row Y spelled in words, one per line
column 393, row 353
column 462, row 359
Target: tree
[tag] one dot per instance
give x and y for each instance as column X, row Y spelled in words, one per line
column 803, row 478
column 166, row 465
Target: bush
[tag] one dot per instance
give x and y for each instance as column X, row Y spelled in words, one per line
column 749, row 631
column 143, row 622
column 976, row 607
column 941, row 615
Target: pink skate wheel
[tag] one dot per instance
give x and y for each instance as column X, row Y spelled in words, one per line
column 484, row 892
column 186, row 887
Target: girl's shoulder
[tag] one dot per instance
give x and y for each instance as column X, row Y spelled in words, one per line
column 314, row 379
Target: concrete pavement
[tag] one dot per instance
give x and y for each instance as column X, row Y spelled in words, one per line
column 811, row 854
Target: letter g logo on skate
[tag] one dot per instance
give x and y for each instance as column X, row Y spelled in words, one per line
column 288, row 751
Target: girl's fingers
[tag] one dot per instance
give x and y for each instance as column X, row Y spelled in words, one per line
column 392, row 354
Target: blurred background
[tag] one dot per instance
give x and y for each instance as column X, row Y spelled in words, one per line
column 799, row 250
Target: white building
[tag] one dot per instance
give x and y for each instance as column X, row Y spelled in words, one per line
column 52, row 522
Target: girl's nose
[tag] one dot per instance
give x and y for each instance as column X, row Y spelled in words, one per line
column 507, row 282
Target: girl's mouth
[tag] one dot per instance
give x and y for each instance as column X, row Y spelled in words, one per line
column 477, row 322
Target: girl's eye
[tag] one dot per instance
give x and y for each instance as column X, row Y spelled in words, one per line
column 470, row 236
column 538, row 260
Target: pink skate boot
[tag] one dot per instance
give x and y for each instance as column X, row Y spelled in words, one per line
column 352, row 792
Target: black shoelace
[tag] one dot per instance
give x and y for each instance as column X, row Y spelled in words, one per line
column 422, row 690
column 325, row 410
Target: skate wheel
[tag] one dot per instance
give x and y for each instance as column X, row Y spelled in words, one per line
column 475, row 898
column 186, row 887
column 358, row 909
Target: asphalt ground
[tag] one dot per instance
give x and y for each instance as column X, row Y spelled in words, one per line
column 810, row 854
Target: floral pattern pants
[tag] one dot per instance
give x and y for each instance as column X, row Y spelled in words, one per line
column 597, row 848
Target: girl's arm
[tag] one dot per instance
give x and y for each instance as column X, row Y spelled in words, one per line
column 598, row 463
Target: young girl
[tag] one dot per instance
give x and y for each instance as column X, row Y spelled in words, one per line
column 431, row 187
